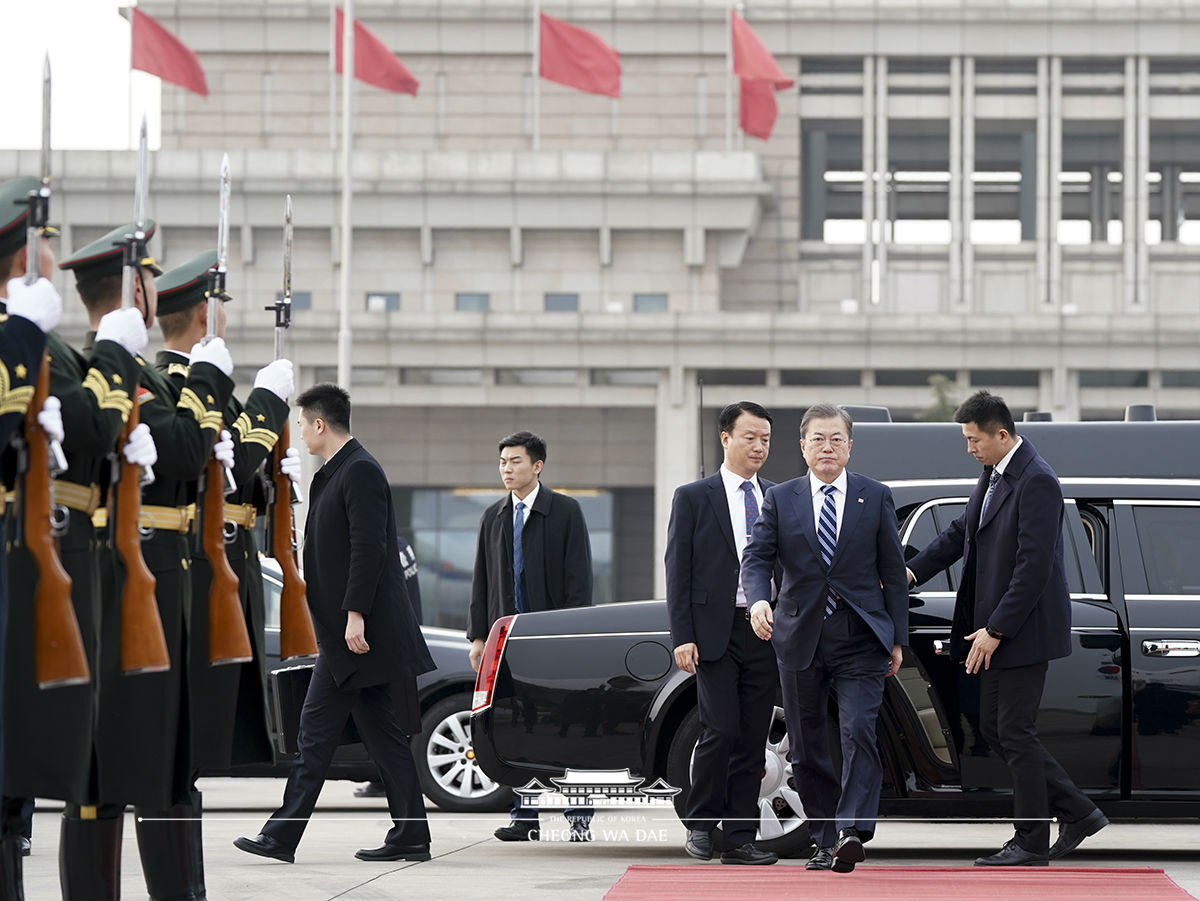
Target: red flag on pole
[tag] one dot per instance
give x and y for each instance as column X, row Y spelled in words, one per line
column 157, row 51
column 374, row 63
column 577, row 58
column 760, row 77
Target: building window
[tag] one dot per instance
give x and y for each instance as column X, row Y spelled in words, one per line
column 625, row 377
column 301, row 300
column 732, row 376
column 1009, row 378
column 1114, row 378
column 562, row 303
column 383, row 301
column 1181, row 378
column 468, row 302
column 649, row 303
column 537, row 376
column 439, row 376
column 836, row 378
column 907, row 378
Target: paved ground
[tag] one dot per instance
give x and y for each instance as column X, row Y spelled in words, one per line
column 469, row 864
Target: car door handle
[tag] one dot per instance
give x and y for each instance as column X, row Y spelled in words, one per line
column 1170, row 647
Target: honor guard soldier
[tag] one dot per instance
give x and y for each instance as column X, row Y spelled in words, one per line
column 228, row 702
column 142, row 740
column 49, row 736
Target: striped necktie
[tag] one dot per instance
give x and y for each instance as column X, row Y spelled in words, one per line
column 751, row 507
column 987, row 498
column 519, row 559
column 827, row 537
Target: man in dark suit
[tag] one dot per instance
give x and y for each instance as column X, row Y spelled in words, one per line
column 736, row 676
column 1013, row 615
column 549, row 568
column 366, row 631
column 839, row 622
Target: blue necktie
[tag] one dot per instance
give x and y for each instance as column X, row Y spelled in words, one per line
column 987, row 498
column 827, row 537
column 751, row 507
column 519, row 559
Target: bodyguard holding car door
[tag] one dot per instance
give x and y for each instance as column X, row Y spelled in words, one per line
column 1012, row 616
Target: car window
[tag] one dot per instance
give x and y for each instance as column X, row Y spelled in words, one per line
column 916, row 534
column 944, row 514
column 1169, row 537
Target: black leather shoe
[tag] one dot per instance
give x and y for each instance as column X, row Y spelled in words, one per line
column 749, row 854
column 848, row 851
column 394, row 852
column 370, row 790
column 821, row 860
column 699, row 844
column 581, row 831
column 518, row 831
column 27, row 846
column 1071, row 834
column 1013, row 855
column 265, row 846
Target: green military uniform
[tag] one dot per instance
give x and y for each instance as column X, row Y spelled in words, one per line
column 48, row 743
column 227, row 702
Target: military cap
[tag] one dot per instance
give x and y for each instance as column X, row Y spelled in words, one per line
column 14, row 212
column 187, row 284
column 105, row 256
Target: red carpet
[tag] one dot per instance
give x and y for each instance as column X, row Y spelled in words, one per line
column 789, row 882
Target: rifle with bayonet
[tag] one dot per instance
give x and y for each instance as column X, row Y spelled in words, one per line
column 59, row 655
column 296, row 636
column 143, row 643
column 228, row 637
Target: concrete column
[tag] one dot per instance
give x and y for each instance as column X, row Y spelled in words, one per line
column 814, row 160
column 1131, row 230
column 1044, row 235
column 868, row 185
column 1028, row 201
column 1054, row 275
column 883, row 180
column 956, row 187
column 968, row 186
column 1142, row 299
column 1096, row 204
column 676, row 452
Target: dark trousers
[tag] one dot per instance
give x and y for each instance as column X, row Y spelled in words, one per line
column 736, row 698
column 851, row 661
column 326, row 709
column 1008, row 707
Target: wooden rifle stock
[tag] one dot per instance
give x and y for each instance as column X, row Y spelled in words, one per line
column 228, row 637
column 58, row 644
column 143, row 642
column 296, row 636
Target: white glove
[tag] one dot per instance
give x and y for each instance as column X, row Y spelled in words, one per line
column 223, row 449
column 39, row 302
column 214, row 352
column 277, row 378
column 140, row 449
column 290, row 465
column 126, row 327
column 50, row 419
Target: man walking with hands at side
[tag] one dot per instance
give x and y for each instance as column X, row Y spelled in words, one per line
column 367, row 633
column 1013, row 615
column 736, row 676
column 839, row 623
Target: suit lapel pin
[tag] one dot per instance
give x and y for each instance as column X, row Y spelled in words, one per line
column 860, row 500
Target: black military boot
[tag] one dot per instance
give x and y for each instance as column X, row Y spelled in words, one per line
column 171, row 851
column 12, row 887
column 89, row 856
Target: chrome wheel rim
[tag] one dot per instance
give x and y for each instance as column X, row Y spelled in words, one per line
column 451, row 759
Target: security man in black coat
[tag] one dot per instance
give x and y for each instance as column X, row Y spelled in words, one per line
column 366, row 631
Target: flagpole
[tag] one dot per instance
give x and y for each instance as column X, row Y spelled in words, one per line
column 129, row 92
column 333, row 74
column 344, row 338
column 729, row 80
column 537, row 78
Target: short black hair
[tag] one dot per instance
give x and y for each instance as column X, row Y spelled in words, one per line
column 329, row 402
column 988, row 411
column 827, row 411
column 176, row 324
column 730, row 414
column 99, row 294
column 531, row 442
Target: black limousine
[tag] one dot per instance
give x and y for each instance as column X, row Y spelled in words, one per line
column 596, row 688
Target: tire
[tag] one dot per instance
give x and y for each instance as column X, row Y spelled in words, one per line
column 782, row 825
column 445, row 761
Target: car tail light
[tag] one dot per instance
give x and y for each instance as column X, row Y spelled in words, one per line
column 485, row 682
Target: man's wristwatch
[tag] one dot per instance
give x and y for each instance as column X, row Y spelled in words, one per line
column 992, row 633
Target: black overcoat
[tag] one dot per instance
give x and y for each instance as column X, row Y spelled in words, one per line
column 350, row 563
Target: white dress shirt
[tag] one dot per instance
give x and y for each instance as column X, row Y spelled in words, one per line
column 818, row 498
column 1000, row 467
column 528, row 502
column 736, row 499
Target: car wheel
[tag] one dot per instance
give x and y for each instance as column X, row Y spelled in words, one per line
column 782, row 825
column 449, row 775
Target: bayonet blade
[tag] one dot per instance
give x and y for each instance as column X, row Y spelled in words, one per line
column 139, row 189
column 287, row 249
column 223, row 218
column 46, row 125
